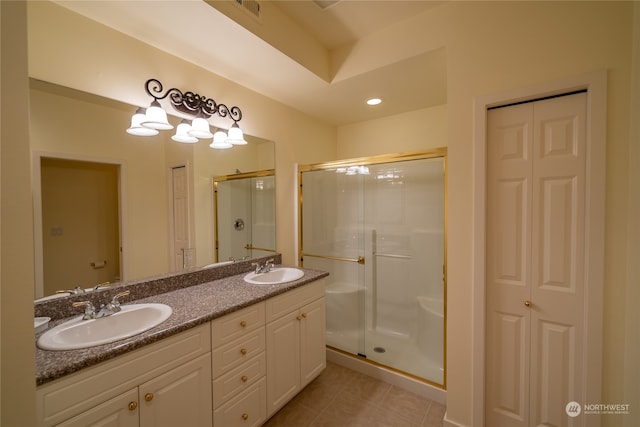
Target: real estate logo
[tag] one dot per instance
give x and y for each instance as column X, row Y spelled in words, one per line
column 573, row 409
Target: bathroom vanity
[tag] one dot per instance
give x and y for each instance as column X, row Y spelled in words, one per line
column 231, row 354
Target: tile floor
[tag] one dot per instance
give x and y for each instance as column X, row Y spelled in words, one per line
column 341, row 397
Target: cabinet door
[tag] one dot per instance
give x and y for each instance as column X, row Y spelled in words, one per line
column 313, row 358
column 283, row 360
column 181, row 397
column 121, row 411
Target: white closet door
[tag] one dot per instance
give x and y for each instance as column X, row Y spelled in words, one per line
column 535, row 261
column 509, row 182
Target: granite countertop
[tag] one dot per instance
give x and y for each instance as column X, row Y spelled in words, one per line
column 192, row 306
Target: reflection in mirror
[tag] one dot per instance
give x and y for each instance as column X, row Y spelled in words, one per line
column 245, row 215
column 67, row 124
column 80, row 223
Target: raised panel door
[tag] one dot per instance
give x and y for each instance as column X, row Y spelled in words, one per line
column 180, row 397
column 536, row 262
column 283, row 360
column 508, row 268
column 313, row 358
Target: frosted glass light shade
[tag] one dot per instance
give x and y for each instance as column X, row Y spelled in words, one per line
column 236, row 136
column 182, row 133
column 220, row 140
column 200, row 128
column 136, row 128
column 156, row 117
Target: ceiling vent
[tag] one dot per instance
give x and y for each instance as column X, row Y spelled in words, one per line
column 251, row 6
column 325, row 4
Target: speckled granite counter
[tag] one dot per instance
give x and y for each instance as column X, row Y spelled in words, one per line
column 192, row 306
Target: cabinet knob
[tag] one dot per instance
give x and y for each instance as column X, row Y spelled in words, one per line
column 133, row 406
column 299, row 317
column 244, row 378
column 148, row 397
column 304, row 315
column 243, row 323
column 245, row 416
column 243, row 351
column 527, row 303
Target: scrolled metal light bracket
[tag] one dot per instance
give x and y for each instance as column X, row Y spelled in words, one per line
column 190, row 102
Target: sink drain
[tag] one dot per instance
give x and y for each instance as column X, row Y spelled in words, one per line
column 379, row 349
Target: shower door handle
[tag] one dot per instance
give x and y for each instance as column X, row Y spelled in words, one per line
column 360, row 260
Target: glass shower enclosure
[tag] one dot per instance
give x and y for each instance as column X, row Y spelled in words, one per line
column 378, row 226
column 244, row 213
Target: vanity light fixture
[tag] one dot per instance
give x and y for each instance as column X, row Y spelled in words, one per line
column 149, row 122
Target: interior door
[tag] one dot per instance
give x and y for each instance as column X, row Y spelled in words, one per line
column 183, row 256
column 535, row 261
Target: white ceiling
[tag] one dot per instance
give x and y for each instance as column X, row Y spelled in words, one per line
column 180, row 28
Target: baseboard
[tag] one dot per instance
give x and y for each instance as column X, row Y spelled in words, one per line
column 448, row 423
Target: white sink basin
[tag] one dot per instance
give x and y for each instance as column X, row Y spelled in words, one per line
column 275, row 276
column 76, row 333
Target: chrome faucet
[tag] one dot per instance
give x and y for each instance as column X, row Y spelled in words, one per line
column 74, row 291
column 105, row 310
column 268, row 265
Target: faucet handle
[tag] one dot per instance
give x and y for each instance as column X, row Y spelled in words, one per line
column 101, row 285
column 115, row 301
column 89, row 309
column 257, row 266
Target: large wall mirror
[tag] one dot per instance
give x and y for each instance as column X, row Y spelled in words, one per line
column 111, row 206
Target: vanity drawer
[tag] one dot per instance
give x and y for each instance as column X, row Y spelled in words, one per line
column 237, row 352
column 238, row 379
column 287, row 302
column 234, row 325
column 248, row 409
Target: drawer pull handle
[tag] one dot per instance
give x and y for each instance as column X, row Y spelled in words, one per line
column 148, row 397
column 243, row 323
column 245, row 416
column 243, row 351
column 133, row 405
column 244, row 378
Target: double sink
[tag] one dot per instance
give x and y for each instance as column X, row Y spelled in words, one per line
column 134, row 319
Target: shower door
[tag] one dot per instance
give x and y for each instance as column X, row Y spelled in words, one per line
column 377, row 225
column 332, row 226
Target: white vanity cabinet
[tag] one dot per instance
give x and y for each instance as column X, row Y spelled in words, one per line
column 166, row 383
column 239, row 392
column 295, row 335
column 236, row 370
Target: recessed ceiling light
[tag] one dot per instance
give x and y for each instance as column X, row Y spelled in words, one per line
column 374, row 101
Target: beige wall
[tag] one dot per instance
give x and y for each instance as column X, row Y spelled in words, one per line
column 632, row 291
column 413, row 131
column 17, row 372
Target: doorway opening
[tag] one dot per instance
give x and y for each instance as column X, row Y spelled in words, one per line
column 78, row 227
